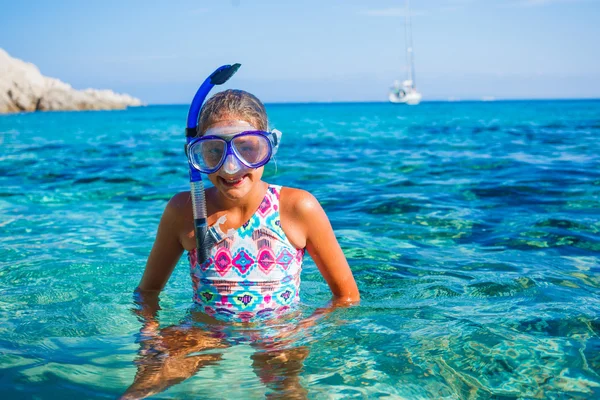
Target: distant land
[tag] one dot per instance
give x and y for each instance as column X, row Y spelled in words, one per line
column 23, row 88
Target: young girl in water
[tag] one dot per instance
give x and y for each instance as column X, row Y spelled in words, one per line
column 257, row 237
column 259, row 231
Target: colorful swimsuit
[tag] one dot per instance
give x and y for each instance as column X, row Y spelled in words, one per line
column 251, row 272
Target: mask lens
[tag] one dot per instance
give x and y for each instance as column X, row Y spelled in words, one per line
column 207, row 154
column 253, row 149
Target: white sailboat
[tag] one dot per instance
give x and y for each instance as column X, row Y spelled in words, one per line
column 406, row 92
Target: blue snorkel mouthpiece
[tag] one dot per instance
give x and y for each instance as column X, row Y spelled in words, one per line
column 203, row 242
column 222, row 75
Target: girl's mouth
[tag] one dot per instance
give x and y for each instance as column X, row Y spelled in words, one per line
column 232, row 182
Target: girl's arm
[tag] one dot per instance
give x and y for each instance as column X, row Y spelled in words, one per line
column 310, row 222
column 167, row 248
column 165, row 254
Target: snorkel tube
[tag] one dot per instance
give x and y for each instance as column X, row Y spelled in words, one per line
column 220, row 76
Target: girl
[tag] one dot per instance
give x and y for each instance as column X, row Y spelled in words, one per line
column 246, row 266
column 259, row 232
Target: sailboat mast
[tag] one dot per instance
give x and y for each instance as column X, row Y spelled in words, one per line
column 407, row 93
column 409, row 45
column 406, row 40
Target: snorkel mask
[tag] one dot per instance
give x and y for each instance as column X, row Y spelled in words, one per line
column 233, row 147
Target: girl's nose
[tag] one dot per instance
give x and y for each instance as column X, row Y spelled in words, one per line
column 231, row 165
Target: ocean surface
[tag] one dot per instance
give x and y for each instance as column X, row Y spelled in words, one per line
column 472, row 228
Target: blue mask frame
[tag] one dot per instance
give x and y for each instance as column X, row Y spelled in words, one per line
column 230, row 150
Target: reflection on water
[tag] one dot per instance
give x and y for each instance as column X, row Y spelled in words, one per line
column 472, row 229
column 170, row 355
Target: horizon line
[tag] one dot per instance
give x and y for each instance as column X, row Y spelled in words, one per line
column 466, row 100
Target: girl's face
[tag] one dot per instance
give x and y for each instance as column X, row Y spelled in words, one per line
column 234, row 180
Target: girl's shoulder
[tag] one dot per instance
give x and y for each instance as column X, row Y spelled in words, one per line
column 295, row 198
column 299, row 211
column 180, row 202
column 298, row 203
column 179, row 218
column 179, row 207
column 180, row 199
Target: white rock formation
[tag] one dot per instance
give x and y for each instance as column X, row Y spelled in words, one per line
column 24, row 88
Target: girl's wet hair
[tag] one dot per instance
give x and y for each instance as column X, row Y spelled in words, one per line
column 233, row 104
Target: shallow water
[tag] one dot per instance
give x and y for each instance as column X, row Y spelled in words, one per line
column 472, row 230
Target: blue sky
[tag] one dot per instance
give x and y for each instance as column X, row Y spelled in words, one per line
column 312, row 50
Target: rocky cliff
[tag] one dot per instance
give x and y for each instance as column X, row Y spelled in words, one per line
column 24, row 88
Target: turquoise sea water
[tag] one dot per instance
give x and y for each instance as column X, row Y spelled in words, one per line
column 472, row 230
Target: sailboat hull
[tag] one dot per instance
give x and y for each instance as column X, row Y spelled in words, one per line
column 410, row 99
